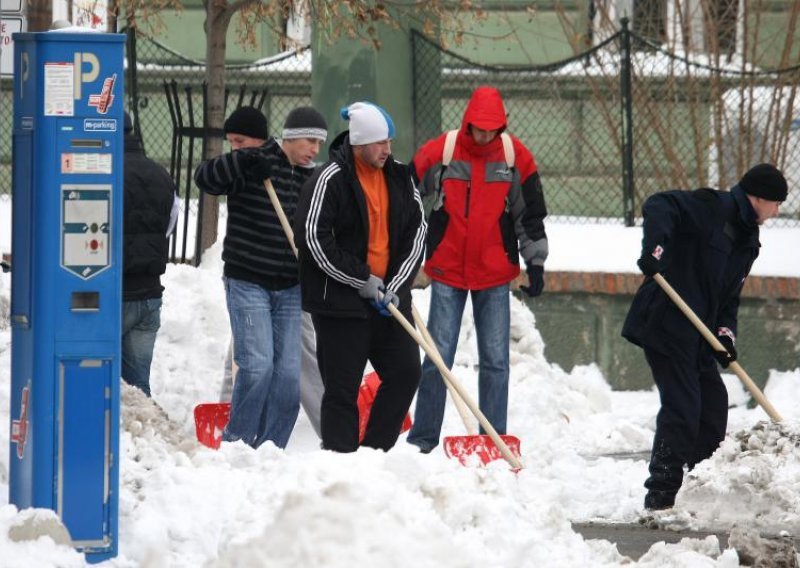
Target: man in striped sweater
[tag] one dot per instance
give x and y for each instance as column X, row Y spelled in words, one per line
column 260, row 274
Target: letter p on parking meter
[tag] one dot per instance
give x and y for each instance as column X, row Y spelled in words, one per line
column 66, row 287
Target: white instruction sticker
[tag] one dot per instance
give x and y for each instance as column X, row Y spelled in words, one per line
column 88, row 163
column 59, row 83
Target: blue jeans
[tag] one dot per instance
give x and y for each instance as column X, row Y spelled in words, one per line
column 140, row 322
column 266, row 346
column 492, row 313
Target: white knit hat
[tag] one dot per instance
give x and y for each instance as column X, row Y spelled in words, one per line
column 368, row 123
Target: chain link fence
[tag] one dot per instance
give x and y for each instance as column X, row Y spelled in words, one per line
column 624, row 120
column 275, row 85
column 167, row 95
column 6, row 131
column 608, row 127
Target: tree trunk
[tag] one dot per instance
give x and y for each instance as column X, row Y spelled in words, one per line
column 217, row 21
column 40, row 15
column 112, row 15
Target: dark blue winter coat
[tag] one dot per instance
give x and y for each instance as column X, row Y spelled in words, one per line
column 710, row 240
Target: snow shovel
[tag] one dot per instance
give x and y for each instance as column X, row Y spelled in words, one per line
column 366, row 396
column 464, row 448
column 717, row 346
column 209, row 422
column 450, row 380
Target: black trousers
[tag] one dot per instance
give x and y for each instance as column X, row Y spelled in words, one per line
column 344, row 345
column 692, row 420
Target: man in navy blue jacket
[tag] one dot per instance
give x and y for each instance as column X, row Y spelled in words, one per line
column 703, row 243
column 150, row 212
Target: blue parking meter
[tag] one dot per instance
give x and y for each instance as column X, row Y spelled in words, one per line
column 66, row 293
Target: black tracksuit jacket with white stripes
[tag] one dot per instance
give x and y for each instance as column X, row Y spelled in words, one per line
column 331, row 229
column 256, row 248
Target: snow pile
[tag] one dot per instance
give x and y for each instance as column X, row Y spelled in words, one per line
column 752, row 479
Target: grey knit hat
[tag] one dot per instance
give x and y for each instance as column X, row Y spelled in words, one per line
column 305, row 122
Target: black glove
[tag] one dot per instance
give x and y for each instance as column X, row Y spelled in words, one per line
column 650, row 262
column 535, row 280
column 256, row 165
column 725, row 358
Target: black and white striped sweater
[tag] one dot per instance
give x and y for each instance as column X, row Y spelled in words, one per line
column 256, row 248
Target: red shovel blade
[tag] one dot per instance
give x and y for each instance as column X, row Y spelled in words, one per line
column 211, row 418
column 366, row 396
column 469, row 449
column 209, row 421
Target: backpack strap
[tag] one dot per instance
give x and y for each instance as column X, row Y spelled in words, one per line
column 449, row 147
column 508, row 149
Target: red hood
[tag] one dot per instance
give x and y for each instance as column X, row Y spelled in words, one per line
column 485, row 110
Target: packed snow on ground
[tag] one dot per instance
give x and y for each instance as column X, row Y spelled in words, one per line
column 182, row 504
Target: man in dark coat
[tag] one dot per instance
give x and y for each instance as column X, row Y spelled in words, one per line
column 149, row 215
column 360, row 233
column 703, row 243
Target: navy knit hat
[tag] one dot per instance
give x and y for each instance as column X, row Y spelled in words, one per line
column 765, row 181
column 248, row 121
column 305, row 122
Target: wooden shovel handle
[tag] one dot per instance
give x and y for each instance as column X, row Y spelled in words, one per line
column 462, row 409
column 287, row 228
column 717, row 346
column 453, row 382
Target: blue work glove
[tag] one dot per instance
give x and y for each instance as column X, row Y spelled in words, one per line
column 725, row 358
column 389, row 297
column 650, row 262
column 535, row 280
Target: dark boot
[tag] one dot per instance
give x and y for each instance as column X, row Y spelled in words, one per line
column 666, row 475
column 656, row 500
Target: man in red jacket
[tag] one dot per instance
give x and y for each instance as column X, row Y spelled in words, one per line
column 488, row 210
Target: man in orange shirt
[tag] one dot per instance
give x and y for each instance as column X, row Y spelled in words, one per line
column 360, row 232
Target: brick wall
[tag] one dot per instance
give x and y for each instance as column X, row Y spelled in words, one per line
column 764, row 287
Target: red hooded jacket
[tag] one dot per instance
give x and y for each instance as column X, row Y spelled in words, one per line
column 485, row 215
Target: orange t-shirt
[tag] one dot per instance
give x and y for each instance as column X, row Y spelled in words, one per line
column 376, row 193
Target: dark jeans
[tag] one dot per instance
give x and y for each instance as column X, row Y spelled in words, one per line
column 692, row 420
column 343, row 347
column 492, row 313
column 140, row 322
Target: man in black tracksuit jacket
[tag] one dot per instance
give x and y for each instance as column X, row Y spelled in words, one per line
column 703, row 243
column 148, row 217
column 333, row 232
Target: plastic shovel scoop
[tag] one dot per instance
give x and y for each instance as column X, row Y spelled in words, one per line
column 479, row 449
column 366, row 396
column 210, row 420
